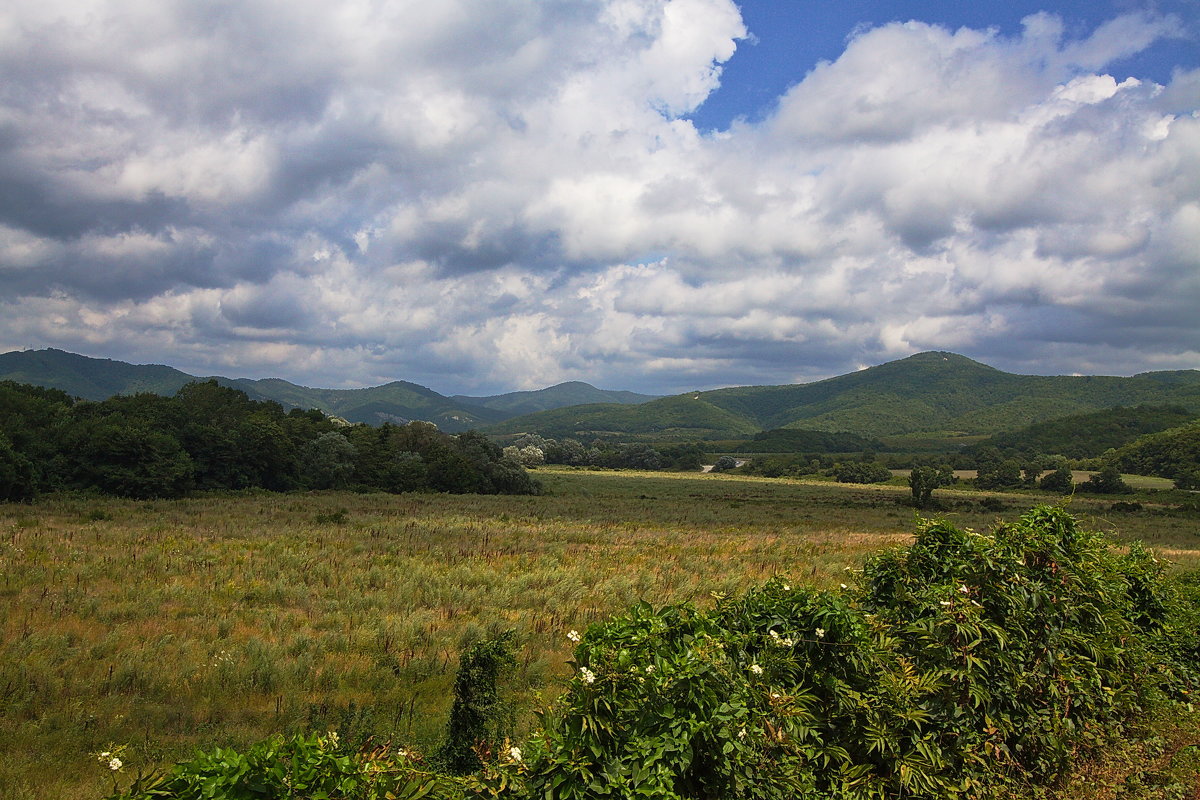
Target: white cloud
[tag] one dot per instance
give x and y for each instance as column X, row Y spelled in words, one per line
column 501, row 195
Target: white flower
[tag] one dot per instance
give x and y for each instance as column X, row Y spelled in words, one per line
column 820, row 633
column 787, row 588
column 945, row 603
column 774, row 634
column 775, row 695
column 649, row 668
column 402, row 753
column 574, row 636
column 756, row 669
column 742, row 733
column 514, row 753
column 105, row 756
column 587, row 675
column 114, row 764
column 843, row 586
column 963, row 589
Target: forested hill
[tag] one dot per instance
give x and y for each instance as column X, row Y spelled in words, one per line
column 397, row 402
column 926, row 392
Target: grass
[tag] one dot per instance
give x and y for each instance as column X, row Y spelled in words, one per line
column 169, row 625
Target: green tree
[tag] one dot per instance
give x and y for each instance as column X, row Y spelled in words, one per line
column 924, row 479
column 1107, row 481
column 1060, row 481
column 328, row 462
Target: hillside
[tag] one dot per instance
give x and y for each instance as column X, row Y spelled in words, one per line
column 681, row 417
column 98, row 379
column 1091, row 434
column 926, row 392
column 571, row 393
column 89, row 378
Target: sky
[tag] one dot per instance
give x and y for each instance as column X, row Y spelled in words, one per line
column 484, row 196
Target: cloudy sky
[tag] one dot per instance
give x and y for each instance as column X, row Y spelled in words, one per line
column 658, row 195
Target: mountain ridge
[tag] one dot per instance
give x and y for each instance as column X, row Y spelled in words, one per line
column 925, row 392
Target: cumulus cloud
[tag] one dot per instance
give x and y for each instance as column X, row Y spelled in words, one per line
column 483, row 197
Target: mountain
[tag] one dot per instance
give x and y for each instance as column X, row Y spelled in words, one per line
column 572, row 393
column 927, row 392
column 89, row 378
column 398, row 401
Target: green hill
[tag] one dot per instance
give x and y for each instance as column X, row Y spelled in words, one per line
column 89, row 378
column 681, row 417
column 572, row 393
column 1091, row 434
column 98, row 379
column 927, row 392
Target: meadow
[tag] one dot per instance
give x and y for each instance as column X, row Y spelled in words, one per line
column 164, row 626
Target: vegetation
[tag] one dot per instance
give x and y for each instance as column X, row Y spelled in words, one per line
column 790, row 440
column 219, row 620
column 1086, row 435
column 965, row 665
column 212, row 437
column 1171, row 454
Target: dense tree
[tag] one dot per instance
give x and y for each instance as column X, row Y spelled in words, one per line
column 862, row 472
column 1107, row 481
column 923, row 480
column 1060, row 481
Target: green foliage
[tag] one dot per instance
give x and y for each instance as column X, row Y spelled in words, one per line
column 862, row 472
column 794, row 440
column 211, row 437
column 314, row 767
column 480, row 720
column 725, row 463
column 1107, row 481
column 1090, row 434
column 1060, row 480
column 968, row 665
column 999, row 475
column 924, row 479
column 1173, row 453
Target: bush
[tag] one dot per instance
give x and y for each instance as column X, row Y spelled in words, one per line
column 967, row 665
column 862, row 472
column 1060, row 481
column 1107, row 481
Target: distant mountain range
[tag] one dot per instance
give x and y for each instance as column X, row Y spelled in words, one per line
column 398, row 401
column 927, row 392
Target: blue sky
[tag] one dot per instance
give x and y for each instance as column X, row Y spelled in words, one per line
column 791, row 36
column 655, row 195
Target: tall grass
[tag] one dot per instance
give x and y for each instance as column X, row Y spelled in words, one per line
column 217, row 620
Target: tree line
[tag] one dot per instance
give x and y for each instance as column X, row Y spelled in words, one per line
column 211, row 437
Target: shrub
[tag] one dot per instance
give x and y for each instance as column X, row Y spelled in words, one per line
column 862, row 472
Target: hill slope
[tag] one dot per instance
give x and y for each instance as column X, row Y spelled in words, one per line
column 571, row 393
column 922, row 393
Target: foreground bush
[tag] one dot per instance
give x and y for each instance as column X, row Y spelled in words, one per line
column 966, row 665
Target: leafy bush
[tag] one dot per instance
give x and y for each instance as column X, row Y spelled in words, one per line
column 862, row 472
column 968, row 664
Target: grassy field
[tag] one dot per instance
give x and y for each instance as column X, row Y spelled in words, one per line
column 169, row 625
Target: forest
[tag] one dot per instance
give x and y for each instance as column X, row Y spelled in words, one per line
column 208, row 437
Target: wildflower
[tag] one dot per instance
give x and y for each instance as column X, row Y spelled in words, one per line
column 514, row 753
column 756, row 669
column 742, row 733
column 963, row 589
column 114, row 764
column 649, row 668
column 820, row 633
column 587, row 675
column 843, row 586
column 402, row 753
column 787, row 588
column 574, row 636
column 775, row 695
column 945, row 603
